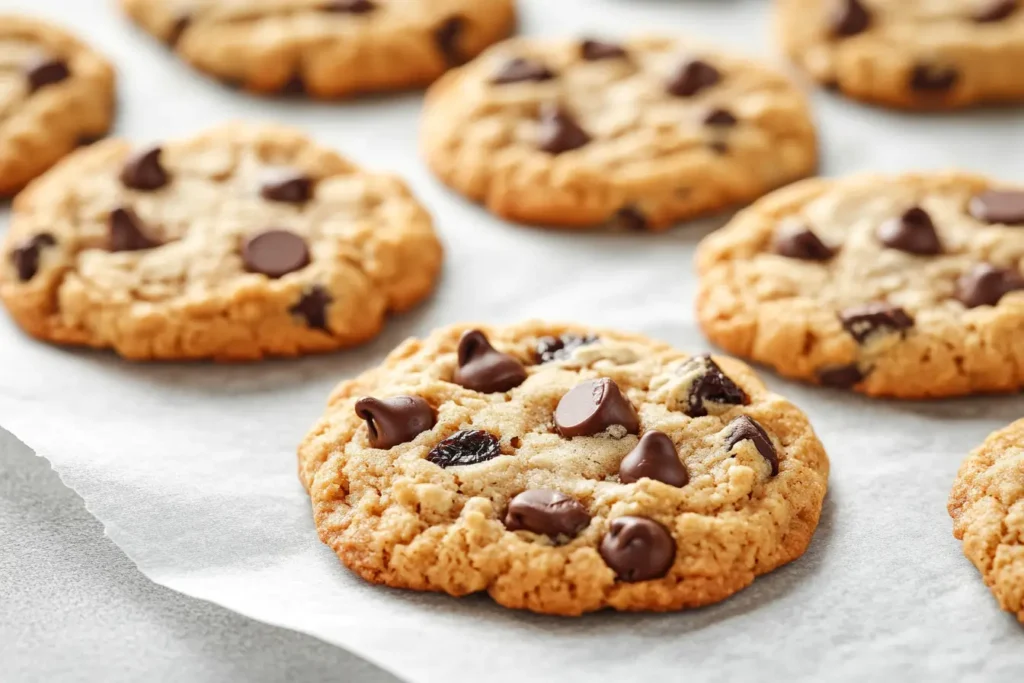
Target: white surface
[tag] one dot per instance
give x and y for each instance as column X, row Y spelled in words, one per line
column 191, row 467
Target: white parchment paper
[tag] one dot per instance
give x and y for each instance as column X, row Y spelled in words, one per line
column 191, row 467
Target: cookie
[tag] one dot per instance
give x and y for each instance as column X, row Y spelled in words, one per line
column 906, row 286
column 240, row 243
column 638, row 134
column 56, row 93
column 562, row 469
column 325, row 48
column 987, row 507
column 914, row 54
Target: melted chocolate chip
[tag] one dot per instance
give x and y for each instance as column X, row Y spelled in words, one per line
column 312, row 307
column 931, row 79
column 483, row 368
column 447, row 37
column 802, row 243
column 848, row 18
column 720, row 117
column 559, row 131
column 638, row 549
column 995, row 10
column 45, row 71
column 26, row 256
column 999, row 206
column 592, row 407
column 467, row 447
column 294, row 86
column 986, row 285
column 710, row 386
column 520, row 70
column 596, row 50
column 630, row 218
column 561, row 348
column 655, row 457
column 275, row 253
column 547, row 512
column 840, row 376
column 395, row 421
column 745, row 428
column 913, row 232
column 864, row 321
column 286, row 185
column 350, row 6
column 691, row 77
column 143, row 170
column 128, row 231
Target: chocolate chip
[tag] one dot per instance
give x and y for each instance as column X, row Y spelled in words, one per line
column 593, row 406
column 181, row 25
column 467, row 447
column 840, row 376
column 286, row 185
column 483, row 368
column 559, row 131
column 547, row 512
column 561, row 348
column 655, row 457
column 596, row 50
column 995, row 10
column 25, row 257
column 864, row 321
column 711, row 385
column 720, row 117
column 143, row 170
column 999, row 206
column 930, row 79
column 986, row 285
column 691, row 77
column 630, row 218
column 519, row 70
column 128, row 232
column 848, row 18
column 745, row 428
column 45, row 71
column 913, row 232
column 802, row 243
column 350, row 6
column 447, row 37
column 275, row 253
column 312, row 307
column 718, row 147
column 294, row 86
column 395, row 420
column 638, row 549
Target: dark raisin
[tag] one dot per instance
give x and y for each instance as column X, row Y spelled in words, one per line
column 561, row 348
column 468, row 447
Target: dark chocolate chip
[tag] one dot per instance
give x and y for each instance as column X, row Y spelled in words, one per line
column 143, row 170
column 931, row 79
column 864, row 321
column 312, row 307
column 746, row 428
column 395, row 420
column 800, row 242
column 995, row 10
column 559, row 131
column 181, row 25
column 350, row 6
column 286, row 185
column 275, row 253
column 519, row 70
column 840, row 376
column 447, row 37
column 26, row 256
column 467, row 447
column 45, row 71
column 711, row 385
column 999, row 206
column 986, row 285
column 485, row 369
column 547, row 512
column 691, row 77
column 128, row 232
column 848, row 18
column 913, row 232
column 638, row 549
column 630, row 218
column 561, row 348
column 593, row 406
column 596, row 50
column 655, row 457
column 720, row 117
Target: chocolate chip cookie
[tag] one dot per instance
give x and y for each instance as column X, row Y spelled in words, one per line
column 56, row 93
column 325, row 48
column 639, row 134
column 908, row 286
column 243, row 242
column 987, row 506
column 921, row 54
column 562, row 469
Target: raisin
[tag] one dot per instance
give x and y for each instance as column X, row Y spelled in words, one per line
column 468, row 447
